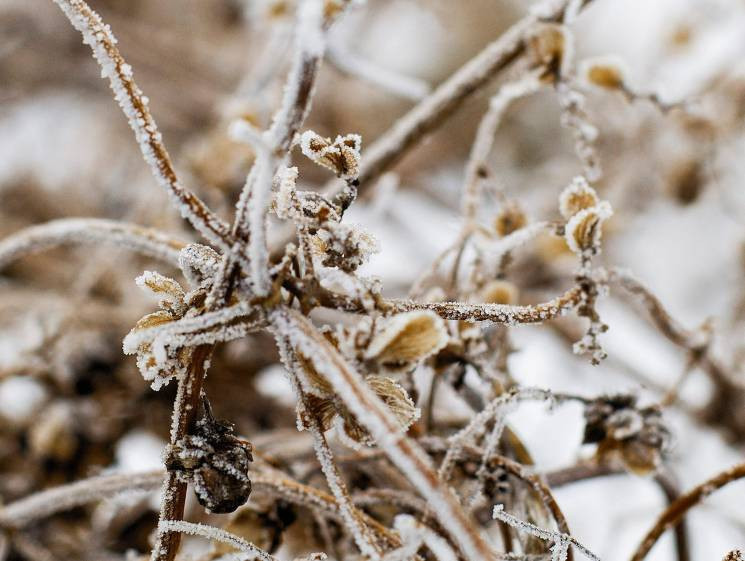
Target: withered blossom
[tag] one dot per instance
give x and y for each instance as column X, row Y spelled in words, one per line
column 638, row 436
column 342, row 155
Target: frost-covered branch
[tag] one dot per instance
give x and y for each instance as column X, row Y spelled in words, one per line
column 476, row 169
column 215, row 534
column 63, row 231
column 40, row 505
column 348, row 62
column 134, row 104
column 309, row 418
column 438, row 106
column 560, row 541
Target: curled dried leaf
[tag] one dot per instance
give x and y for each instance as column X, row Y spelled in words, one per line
column 509, row 219
column 578, row 195
column 408, row 338
column 331, row 411
column 172, row 296
column 342, row 155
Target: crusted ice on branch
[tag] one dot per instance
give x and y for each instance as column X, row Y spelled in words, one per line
column 215, row 534
column 498, row 313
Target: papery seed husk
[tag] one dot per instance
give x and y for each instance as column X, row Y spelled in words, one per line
column 408, row 337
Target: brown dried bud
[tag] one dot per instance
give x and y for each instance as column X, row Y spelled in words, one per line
column 342, row 156
column 408, row 338
column 499, row 292
column 604, row 72
column 578, row 195
column 509, row 219
column 550, row 47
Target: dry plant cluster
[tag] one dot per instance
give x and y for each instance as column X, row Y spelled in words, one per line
column 372, row 457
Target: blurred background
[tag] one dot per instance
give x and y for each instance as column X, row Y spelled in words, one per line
column 72, row 405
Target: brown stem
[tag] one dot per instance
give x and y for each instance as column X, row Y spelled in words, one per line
column 185, row 410
column 675, row 512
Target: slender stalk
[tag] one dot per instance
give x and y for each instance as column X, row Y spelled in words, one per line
column 64, row 231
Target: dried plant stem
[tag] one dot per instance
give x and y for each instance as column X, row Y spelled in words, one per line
column 675, row 512
column 185, row 410
column 215, row 534
column 308, row 417
column 377, row 419
column 55, row 233
column 43, row 504
column 476, row 170
column 99, row 37
column 497, row 313
column 355, row 65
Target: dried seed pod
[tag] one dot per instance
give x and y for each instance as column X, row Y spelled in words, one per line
column 344, row 246
column 550, row 47
column 498, row 292
column 578, row 195
column 604, row 72
column 198, row 263
column 342, row 156
column 583, row 231
column 408, row 338
column 216, row 463
column 509, row 219
column 637, row 436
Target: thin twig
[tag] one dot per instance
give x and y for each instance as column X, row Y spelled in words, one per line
column 675, row 512
column 99, row 37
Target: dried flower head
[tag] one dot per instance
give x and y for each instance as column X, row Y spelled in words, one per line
column 604, row 72
column 345, row 246
column 583, row 230
column 407, row 338
column 637, row 436
column 578, row 195
column 159, row 365
column 510, row 218
column 342, row 156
